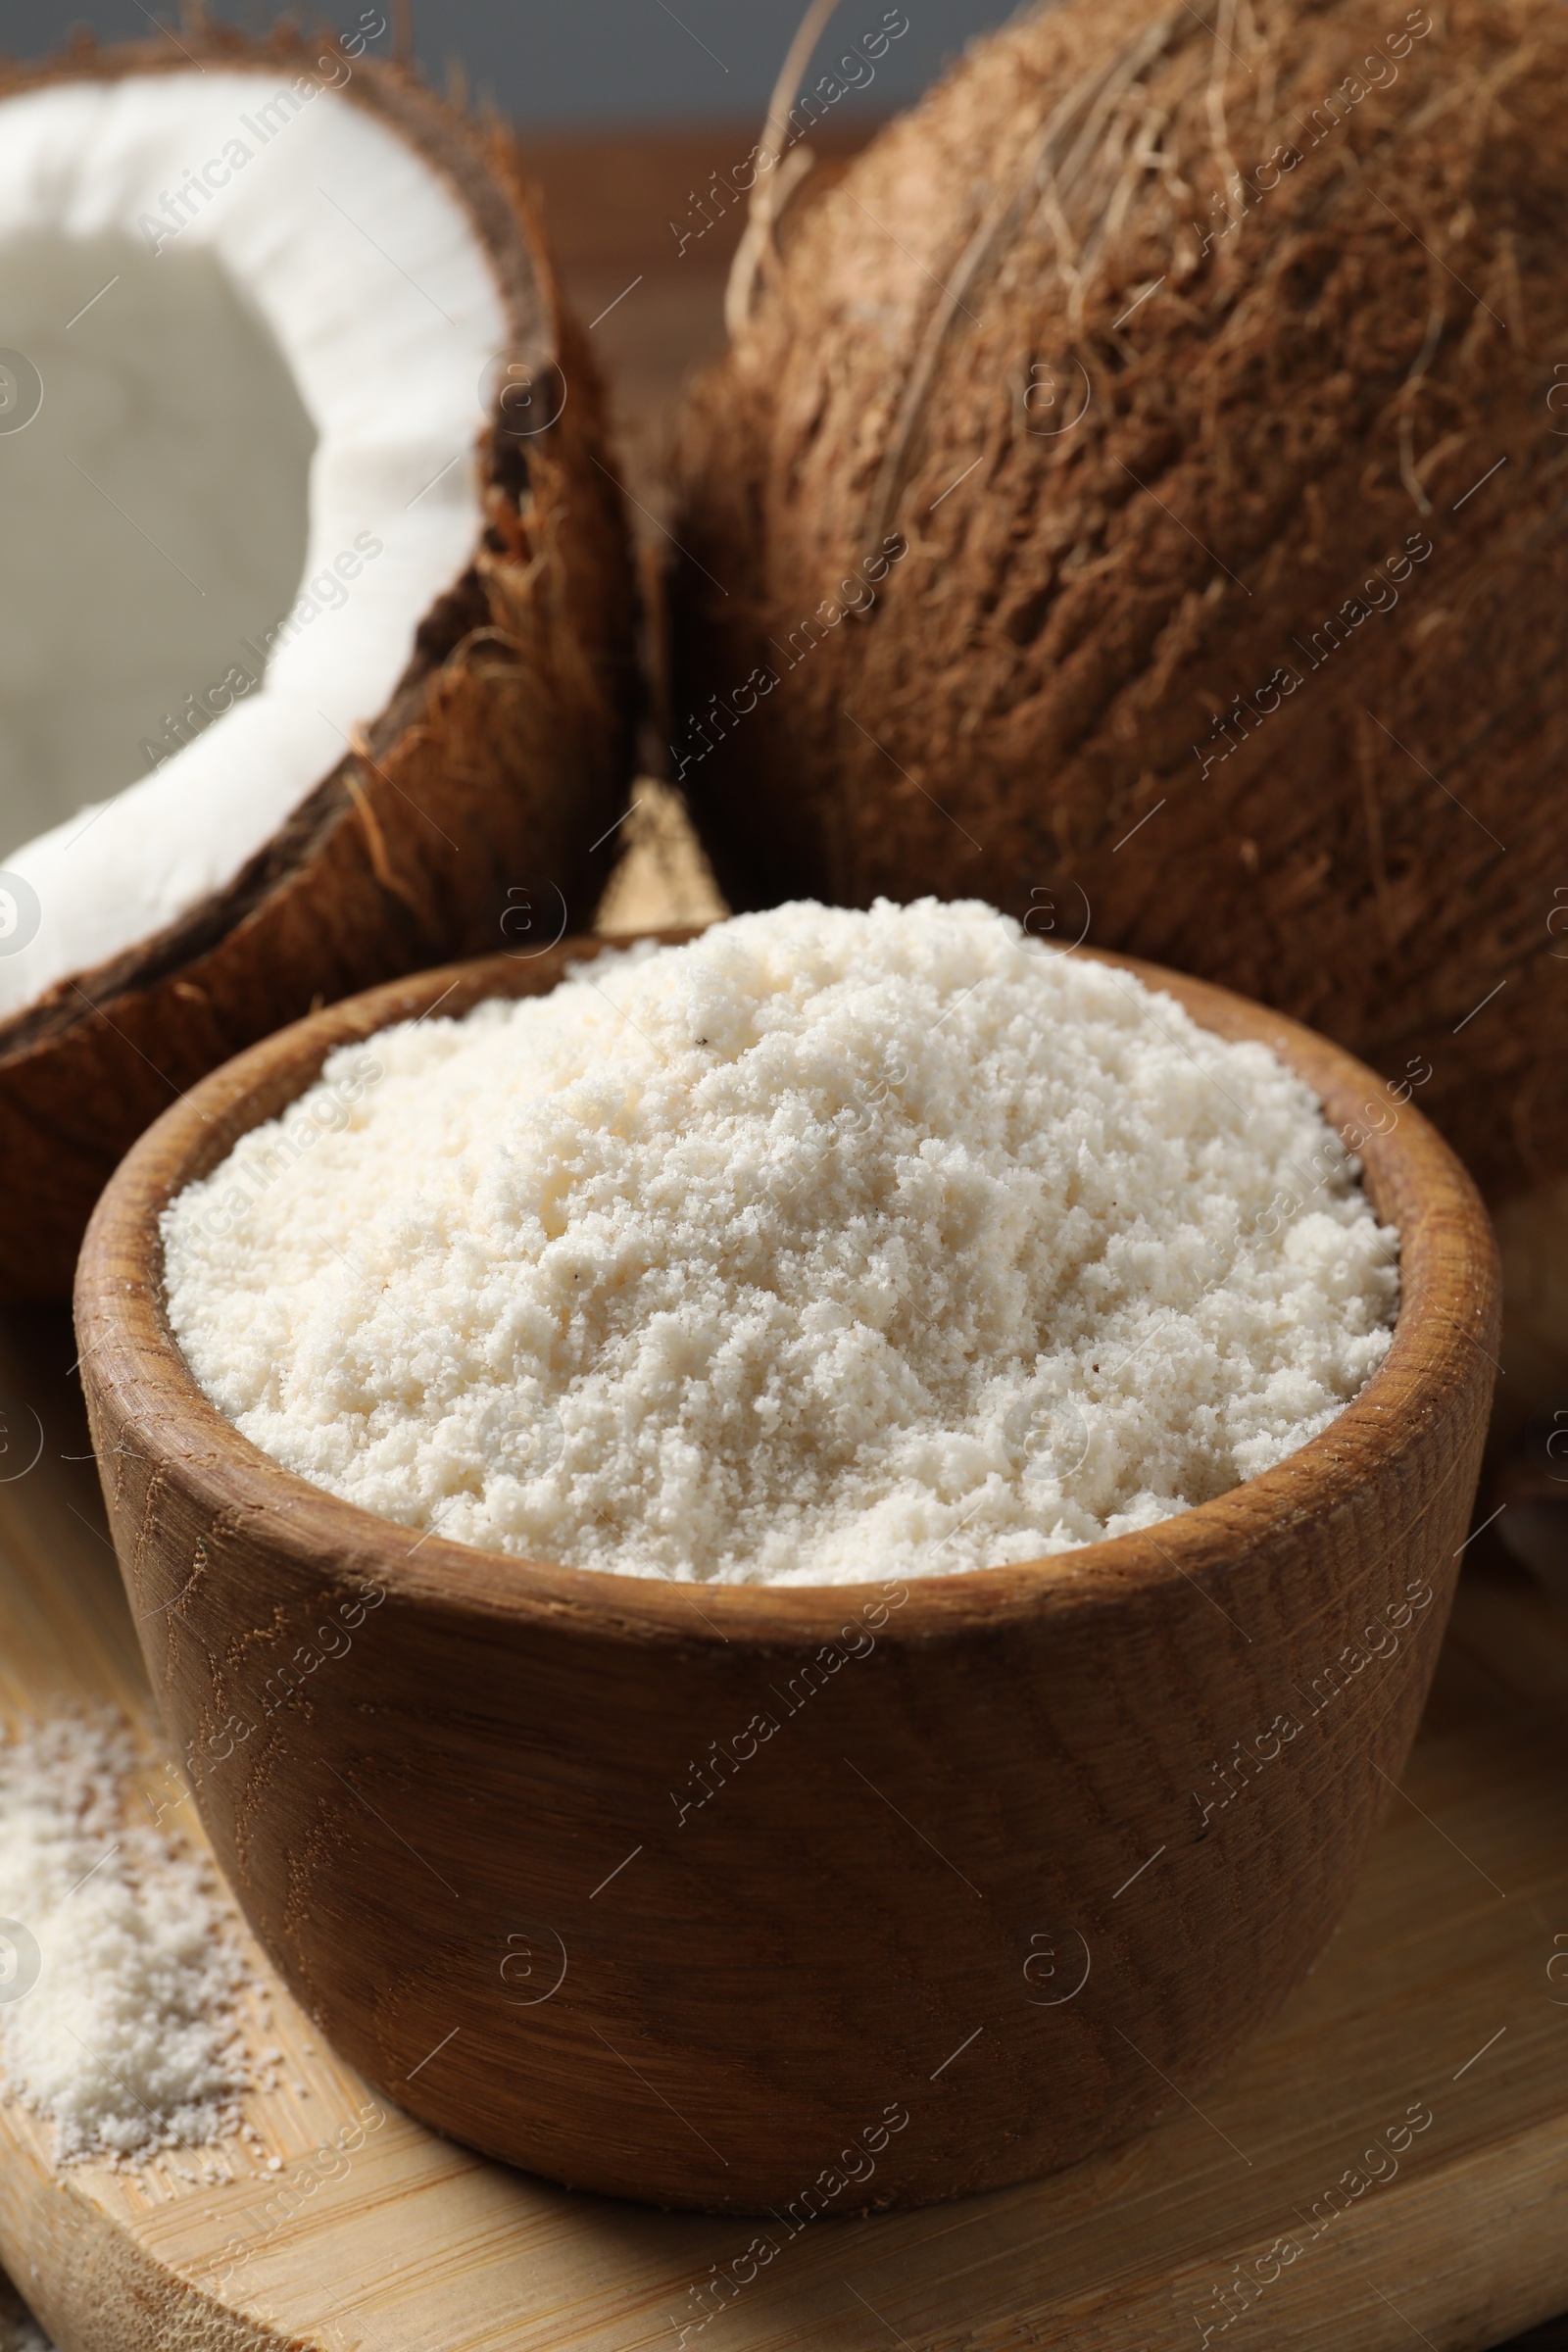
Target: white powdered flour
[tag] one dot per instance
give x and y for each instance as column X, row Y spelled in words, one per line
column 119, row 1983
column 830, row 1247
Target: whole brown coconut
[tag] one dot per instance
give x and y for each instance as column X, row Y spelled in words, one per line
column 1135, row 496
column 464, row 812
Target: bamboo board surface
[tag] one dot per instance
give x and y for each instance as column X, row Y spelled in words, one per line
column 1445, row 1995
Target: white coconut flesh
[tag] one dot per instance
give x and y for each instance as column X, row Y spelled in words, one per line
column 238, row 476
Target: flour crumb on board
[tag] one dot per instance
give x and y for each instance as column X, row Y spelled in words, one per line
column 121, row 1973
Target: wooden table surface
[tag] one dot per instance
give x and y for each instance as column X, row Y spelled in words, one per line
column 617, row 210
column 1451, row 1935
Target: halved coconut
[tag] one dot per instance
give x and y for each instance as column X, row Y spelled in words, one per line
column 1133, row 497
column 317, row 653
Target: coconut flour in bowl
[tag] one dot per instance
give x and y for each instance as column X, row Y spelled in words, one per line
column 831, row 1246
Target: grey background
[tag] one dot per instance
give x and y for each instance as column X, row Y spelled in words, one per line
column 571, row 63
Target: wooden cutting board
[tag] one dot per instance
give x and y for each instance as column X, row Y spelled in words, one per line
column 1389, row 2164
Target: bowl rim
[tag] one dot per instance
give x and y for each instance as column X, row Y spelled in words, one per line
column 1449, row 1291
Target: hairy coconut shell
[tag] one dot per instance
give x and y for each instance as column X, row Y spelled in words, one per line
column 1150, row 339
column 503, row 757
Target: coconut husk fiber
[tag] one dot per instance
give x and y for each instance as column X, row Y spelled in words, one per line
column 503, row 757
column 1121, row 386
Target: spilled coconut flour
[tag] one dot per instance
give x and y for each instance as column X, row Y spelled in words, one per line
column 126, row 2037
column 830, row 1246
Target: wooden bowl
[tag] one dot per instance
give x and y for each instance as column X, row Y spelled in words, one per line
column 806, row 1900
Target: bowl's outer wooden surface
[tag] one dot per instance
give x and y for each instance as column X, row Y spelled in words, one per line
column 1434, row 1987
column 976, row 1883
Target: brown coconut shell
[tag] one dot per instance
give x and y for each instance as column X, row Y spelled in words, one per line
column 501, row 758
column 1141, row 468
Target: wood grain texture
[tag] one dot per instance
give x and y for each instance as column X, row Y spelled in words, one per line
column 946, row 1923
column 1453, row 1933
column 617, row 211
